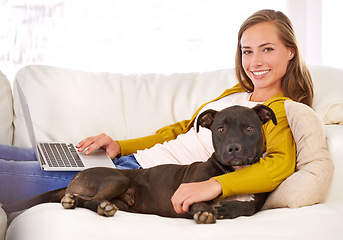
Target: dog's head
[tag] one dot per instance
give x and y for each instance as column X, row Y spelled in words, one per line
column 236, row 133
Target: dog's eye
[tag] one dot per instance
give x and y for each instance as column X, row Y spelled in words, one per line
column 220, row 129
column 250, row 128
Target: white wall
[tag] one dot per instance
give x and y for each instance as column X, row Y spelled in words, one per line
column 306, row 16
column 154, row 35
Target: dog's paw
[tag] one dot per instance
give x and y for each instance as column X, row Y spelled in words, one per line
column 204, row 217
column 107, row 209
column 69, row 201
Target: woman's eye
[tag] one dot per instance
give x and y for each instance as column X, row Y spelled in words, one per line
column 268, row 49
column 220, row 129
column 246, row 52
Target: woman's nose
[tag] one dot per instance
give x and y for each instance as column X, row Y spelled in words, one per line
column 257, row 60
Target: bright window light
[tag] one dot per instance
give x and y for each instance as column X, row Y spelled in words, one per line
column 332, row 33
column 126, row 36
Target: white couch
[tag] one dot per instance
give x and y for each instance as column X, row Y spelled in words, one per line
column 69, row 105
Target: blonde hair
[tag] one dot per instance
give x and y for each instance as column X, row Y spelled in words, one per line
column 297, row 82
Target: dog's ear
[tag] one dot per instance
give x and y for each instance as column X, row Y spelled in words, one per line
column 265, row 113
column 205, row 119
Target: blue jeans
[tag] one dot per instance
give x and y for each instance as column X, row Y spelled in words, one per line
column 21, row 176
column 126, row 162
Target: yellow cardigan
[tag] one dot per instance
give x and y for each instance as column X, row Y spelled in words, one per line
column 264, row 176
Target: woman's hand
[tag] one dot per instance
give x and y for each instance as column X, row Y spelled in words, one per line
column 101, row 141
column 190, row 193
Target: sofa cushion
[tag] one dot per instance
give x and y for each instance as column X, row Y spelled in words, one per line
column 328, row 101
column 3, row 223
column 6, row 111
column 314, row 168
column 51, row 221
column 334, row 135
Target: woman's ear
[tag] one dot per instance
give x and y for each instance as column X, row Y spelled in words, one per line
column 291, row 53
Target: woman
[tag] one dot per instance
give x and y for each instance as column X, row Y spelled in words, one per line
column 268, row 64
column 268, row 67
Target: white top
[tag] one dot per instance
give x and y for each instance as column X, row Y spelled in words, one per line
column 191, row 146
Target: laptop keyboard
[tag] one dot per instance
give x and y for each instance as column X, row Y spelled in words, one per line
column 61, row 155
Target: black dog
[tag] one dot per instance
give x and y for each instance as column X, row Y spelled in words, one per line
column 237, row 140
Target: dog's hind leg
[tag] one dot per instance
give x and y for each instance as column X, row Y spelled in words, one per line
column 69, row 201
column 96, row 194
column 107, row 209
column 96, row 204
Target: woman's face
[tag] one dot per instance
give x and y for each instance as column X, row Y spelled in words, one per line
column 265, row 57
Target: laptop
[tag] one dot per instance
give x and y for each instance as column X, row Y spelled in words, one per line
column 60, row 156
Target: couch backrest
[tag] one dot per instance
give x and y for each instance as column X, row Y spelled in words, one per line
column 6, row 111
column 328, row 97
column 69, row 105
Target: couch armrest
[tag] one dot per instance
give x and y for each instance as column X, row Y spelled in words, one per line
column 6, row 111
column 3, row 223
column 335, row 145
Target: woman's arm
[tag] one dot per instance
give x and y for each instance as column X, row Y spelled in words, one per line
column 164, row 134
column 189, row 193
column 126, row 147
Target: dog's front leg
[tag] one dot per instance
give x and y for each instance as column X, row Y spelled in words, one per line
column 202, row 213
column 233, row 209
column 239, row 205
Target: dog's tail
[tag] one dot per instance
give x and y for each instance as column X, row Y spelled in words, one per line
column 52, row 196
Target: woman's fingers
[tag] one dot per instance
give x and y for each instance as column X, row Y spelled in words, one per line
column 100, row 141
column 190, row 193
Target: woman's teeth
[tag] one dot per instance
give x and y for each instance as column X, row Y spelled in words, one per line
column 260, row 72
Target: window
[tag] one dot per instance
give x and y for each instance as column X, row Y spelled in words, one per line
column 139, row 36
column 332, row 33
column 123, row 35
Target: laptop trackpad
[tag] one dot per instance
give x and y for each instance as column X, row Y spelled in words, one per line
column 97, row 158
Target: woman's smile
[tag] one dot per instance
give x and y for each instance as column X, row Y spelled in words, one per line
column 260, row 73
column 265, row 59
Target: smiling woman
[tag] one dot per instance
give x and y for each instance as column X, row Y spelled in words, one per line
column 272, row 82
column 268, row 55
column 265, row 59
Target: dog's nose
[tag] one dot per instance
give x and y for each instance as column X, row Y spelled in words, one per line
column 234, row 148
